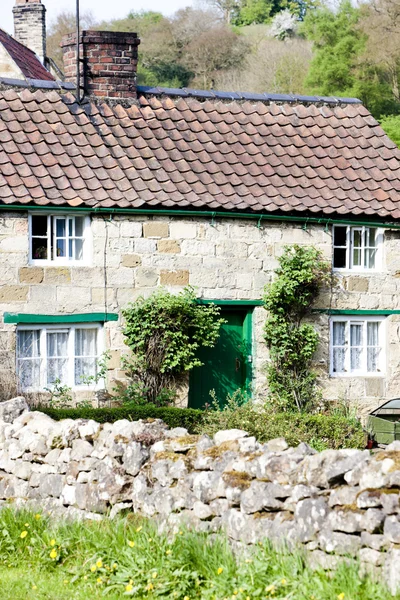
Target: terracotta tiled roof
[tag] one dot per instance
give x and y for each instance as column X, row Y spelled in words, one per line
column 24, row 58
column 188, row 153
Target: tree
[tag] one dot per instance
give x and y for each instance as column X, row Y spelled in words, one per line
column 253, row 11
column 64, row 23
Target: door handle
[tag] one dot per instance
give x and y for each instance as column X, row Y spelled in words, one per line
column 237, row 364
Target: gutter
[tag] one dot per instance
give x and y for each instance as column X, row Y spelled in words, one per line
column 202, row 213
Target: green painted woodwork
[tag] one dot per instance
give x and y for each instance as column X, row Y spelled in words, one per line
column 385, row 430
column 259, row 217
column 231, row 302
column 227, row 366
column 20, row 318
column 345, row 311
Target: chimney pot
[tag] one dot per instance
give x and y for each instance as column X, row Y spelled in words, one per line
column 103, row 72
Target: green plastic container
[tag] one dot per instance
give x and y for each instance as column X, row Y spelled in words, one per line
column 384, row 422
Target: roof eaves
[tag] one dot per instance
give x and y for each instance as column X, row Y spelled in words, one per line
column 42, row 84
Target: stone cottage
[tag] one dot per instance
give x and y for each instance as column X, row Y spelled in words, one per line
column 133, row 188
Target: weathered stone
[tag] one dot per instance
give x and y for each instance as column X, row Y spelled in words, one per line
column 375, row 541
column 156, row 229
column 10, row 410
column 32, row 275
column 347, row 521
column 169, row 469
column 13, row 293
column 391, row 502
column 68, row 494
column 277, row 445
column 168, row 246
column 261, row 495
column 373, row 520
column 57, row 275
column 81, row 449
column 131, row 260
column 89, row 431
column 310, row 515
column 172, row 278
column 320, row 560
column 229, row 435
column 201, row 510
column 371, row 556
column 336, row 471
column 339, row 543
column 146, row 277
column 369, row 499
column 391, row 571
column 133, row 458
column 391, row 529
column 50, row 485
column 207, row 486
column 344, row 496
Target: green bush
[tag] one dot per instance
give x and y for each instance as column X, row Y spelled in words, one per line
column 173, row 417
column 320, row 431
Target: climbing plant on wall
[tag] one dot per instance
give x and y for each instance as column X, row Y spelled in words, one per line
column 164, row 333
column 291, row 341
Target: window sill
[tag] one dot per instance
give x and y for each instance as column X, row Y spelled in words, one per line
column 359, row 271
column 58, row 263
column 357, row 375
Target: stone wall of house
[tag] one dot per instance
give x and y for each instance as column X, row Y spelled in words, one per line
column 8, row 68
column 335, row 503
column 228, row 259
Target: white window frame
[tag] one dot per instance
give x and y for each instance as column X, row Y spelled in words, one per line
column 61, row 260
column 365, row 231
column 70, row 328
column 348, row 320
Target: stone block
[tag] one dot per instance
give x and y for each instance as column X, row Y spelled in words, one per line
column 182, row 230
column 146, row 277
column 169, row 246
column 232, row 249
column 14, row 293
column 357, row 284
column 174, row 278
column 131, row 260
column 156, row 229
column 31, row 275
column 58, row 275
column 130, row 228
column 145, row 246
column 99, row 296
column 14, row 244
column 198, row 248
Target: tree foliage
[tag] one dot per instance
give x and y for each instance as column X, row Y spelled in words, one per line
column 291, row 341
column 164, row 333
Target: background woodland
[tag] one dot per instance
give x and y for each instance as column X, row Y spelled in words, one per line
column 287, row 46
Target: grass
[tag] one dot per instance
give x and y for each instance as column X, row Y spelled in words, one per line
column 56, row 560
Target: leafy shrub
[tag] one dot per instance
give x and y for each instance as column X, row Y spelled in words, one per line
column 291, row 342
column 164, row 333
column 173, row 417
column 320, row 431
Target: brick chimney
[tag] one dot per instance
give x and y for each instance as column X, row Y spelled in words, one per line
column 30, row 25
column 108, row 62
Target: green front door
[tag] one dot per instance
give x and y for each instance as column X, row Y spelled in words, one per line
column 227, row 366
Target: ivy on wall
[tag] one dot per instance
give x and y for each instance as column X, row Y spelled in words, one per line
column 291, row 341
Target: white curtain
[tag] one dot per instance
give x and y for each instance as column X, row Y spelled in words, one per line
column 57, row 356
column 28, row 358
column 339, row 346
column 355, row 346
column 85, row 354
column 373, row 348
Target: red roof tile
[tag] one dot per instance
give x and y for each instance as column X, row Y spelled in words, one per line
column 25, row 58
column 187, row 154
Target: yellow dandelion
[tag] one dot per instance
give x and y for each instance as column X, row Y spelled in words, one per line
column 34, row 587
column 168, row 552
column 247, row 597
column 129, row 587
column 186, row 598
column 99, row 580
column 340, row 596
column 37, row 517
column 283, row 581
column 235, row 592
column 270, row 589
column 149, row 587
column 131, row 544
column 139, row 529
column 219, row 571
column 130, row 581
column 85, row 577
column 150, row 539
column 23, row 534
column 154, row 575
column 65, row 581
column 93, row 568
column 99, row 563
column 115, row 566
column 53, row 554
column 26, row 525
column 52, row 542
column 181, row 533
column 241, row 590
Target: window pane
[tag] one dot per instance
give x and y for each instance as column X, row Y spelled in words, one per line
column 373, row 347
column 28, row 344
column 373, row 359
column 60, row 248
column 28, row 373
column 39, row 248
column 84, row 367
column 57, row 356
column 60, row 227
column 339, row 355
column 28, row 359
column 39, row 225
column 356, row 346
column 370, row 257
column 339, row 236
column 85, row 353
column 78, row 250
column 373, row 334
column 372, row 243
column 339, row 258
column 357, row 238
column 356, row 257
column 71, row 249
column 79, row 221
column 70, row 233
column 339, row 333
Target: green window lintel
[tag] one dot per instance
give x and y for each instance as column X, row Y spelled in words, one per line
column 20, row 318
column 231, row 302
column 361, row 312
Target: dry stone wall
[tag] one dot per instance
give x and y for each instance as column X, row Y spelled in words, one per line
column 335, row 504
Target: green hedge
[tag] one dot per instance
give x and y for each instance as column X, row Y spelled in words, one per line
column 173, row 417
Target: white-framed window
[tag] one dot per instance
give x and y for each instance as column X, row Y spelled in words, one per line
column 46, row 353
column 357, row 248
column 60, row 239
column 357, row 346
